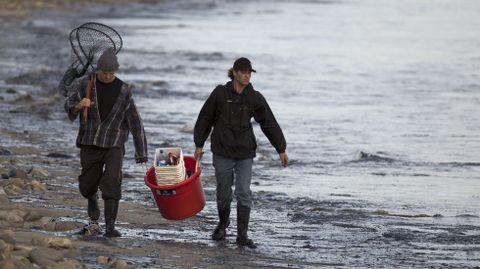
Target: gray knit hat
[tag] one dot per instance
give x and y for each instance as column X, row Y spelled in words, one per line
column 108, row 61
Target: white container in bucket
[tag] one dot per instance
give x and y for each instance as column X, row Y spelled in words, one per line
column 168, row 174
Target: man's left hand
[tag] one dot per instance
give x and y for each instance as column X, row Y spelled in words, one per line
column 283, row 158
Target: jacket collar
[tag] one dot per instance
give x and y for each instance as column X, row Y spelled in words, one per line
column 229, row 86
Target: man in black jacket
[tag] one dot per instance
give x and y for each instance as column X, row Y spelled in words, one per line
column 229, row 110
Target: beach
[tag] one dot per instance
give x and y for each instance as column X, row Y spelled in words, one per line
column 378, row 104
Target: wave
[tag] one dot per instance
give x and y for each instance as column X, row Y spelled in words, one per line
column 209, row 57
column 382, row 157
column 374, row 157
column 460, row 164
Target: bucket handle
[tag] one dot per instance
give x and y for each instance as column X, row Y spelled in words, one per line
column 197, row 164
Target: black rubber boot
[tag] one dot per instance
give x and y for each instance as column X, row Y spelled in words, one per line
column 93, row 210
column 224, row 220
column 243, row 218
column 111, row 209
column 92, row 228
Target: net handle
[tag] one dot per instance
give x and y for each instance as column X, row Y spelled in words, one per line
column 90, row 83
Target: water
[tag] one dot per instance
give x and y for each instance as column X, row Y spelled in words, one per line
column 379, row 104
column 373, row 97
column 378, row 101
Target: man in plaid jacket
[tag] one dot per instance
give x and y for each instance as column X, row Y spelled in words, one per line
column 111, row 116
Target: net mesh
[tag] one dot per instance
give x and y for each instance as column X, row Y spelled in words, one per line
column 88, row 41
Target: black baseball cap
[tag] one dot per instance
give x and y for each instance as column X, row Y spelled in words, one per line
column 243, row 64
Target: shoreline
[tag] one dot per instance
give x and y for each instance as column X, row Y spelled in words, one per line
column 40, row 204
column 41, row 208
column 22, row 8
column 342, row 225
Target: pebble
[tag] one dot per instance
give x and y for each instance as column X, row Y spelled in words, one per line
column 119, row 264
column 7, row 264
column 14, row 190
column 103, row 260
column 7, row 237
column 39, row 173
column 188, row 127
column 10, row 216
column 70, row 264
column 57, row 242
column 37, row 185
column 58, row 155
column 5, row 152
column 18, row 173
column 45, row 257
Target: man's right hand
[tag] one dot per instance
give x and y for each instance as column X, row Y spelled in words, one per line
column 85, row 102
column 198, row 154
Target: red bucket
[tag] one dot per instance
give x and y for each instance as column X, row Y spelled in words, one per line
column 181, row 200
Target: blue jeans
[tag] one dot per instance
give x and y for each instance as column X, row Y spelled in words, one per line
column 228, row 171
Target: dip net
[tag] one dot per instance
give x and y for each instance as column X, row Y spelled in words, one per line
column 88, row 41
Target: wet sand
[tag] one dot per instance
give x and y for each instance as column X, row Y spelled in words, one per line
column 39, row 175
column 64, row 210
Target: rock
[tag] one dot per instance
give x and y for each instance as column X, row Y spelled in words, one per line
column 66, row 226
column 188, row 127
column 48, row 223
column 14, row 161
column 3, row 246
column 21, row 252
column 119, row 264
column 42, row 262
column 5, row 152
column 57, row 242
column 14, row 190
column 45, row 257
column 22, row 262
column 72, row 253
column 19, row 182
column 7, row 264
column 10, row 216
column 5, row 250
column 5, row 224
column 3, row 198
column 50, row 226
column 103, row 260
column 24, row 247
column 40, row 173
column 8, row 237
column 24, row 99
column 70, row 264
column 58, row 155
column 45, row 220
column 32, row 216
column 37, row 185
column 21, row 212
column 5, row 176
column 17, row 172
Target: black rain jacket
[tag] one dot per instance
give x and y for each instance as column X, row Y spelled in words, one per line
column 230, row 114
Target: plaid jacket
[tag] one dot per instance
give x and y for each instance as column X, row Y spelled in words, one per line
column 114, row 130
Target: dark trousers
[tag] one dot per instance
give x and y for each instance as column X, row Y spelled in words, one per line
column 101, row 168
